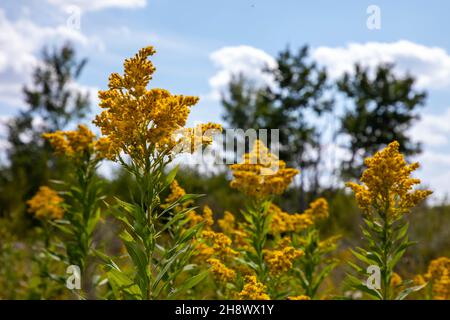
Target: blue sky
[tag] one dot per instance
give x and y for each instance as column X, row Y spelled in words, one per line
column 200, row 43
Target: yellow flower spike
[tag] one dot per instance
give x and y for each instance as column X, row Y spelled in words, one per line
column 253, row 290
column 261, row 174
column 220, row 243
column 176, row 192
column 283, row 222
column 72, row 144
column 221, row 272
column 396, row 280
column 227, row 223
column 318, row 210
column 140, row 121
column 208, row 216
column 387, row 180
column 438, row 275
column 280, row 261
column 46, row 204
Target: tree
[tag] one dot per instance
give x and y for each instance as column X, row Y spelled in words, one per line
column 383, row 110
column 297, row 96
column 53, row 102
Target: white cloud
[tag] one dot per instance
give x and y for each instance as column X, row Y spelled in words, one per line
column 431, row 65
column 239, row 59
column 93, row 5
column 21, row 41
column 433, row 129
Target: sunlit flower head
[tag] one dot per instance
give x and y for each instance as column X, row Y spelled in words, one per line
column 387, row 179
column 227, row 223
column 261, row 174
column 253, row 290
column 280, row 261
column 138, row 121
column 76, row 144
column 438, row 275
column 221, row 272
column 46, row 204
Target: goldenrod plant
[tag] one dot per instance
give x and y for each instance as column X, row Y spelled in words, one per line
column 83, row 195
column 144, row 130
column 314, row 265
column 260, row 176
column 46, row 206
column 436, row 280
column 386, row 194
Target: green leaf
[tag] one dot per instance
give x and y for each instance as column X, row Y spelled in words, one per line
column 171, row 176
column 404, row 293
column 191, row 282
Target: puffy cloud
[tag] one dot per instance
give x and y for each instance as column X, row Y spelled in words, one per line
column 431, row 65
column 433, row 129
column 21, row 41
column 239, row 59
column 94, row 5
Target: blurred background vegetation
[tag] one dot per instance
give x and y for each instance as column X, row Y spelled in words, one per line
column 382, row 106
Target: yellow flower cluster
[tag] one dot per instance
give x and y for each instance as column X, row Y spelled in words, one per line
column 193, row 139
column 207, row 217
column 261, row 173
column 387, row 181
column 396, row 280
column 438, row 275
column 138, row 121
column 227, row 223
column 318, row 210
column 282, row 222
column 77, row 144
column 302, row 297
column 253, row 290
column 46, row 204
column 280, row 261
column 221, row 244
column 176, row 192
column 221, row 272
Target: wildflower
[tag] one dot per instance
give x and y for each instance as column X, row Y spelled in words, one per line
column 253, row 290
column 387, row 181
column 439, row 275
column 301, row 297
column 46, row 204
column 386, row 195
column 419, row 280
column 396, row 280
column 221, row 244
column 221, row 272
column 104, row 149
column 283, row 222
column 227, row 223
column 76, row 144
column 202, row 251
column 261, row 174
column 280, row 261
column 141, row 121
column 240, row 239
column 194, row 138
column 318, row 210
column 176, row 192
column 207, row 218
